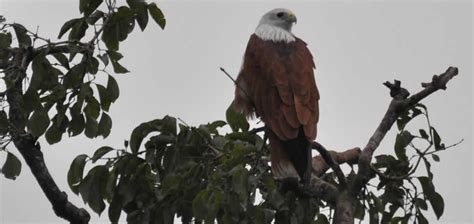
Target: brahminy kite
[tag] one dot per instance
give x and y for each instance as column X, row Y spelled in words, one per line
column 276, row 83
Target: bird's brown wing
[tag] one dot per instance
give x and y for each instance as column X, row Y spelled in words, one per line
column 277, row 84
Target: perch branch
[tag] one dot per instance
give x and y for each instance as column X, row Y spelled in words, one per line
column 321, row 189
column 331, row 162
column 399, row 103
column 350, row 156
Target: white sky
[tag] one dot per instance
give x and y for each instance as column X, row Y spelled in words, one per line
column 357, row 47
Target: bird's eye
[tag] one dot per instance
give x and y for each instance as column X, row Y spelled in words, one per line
column 280, row 14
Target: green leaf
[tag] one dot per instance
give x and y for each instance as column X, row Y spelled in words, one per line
column 435, row 199
column 421, row 219
column 435, row 157
column 53, row 135
column 402, row 140
column 117, row 27
column 31, row 101
column 423, row 134
column 21, row 35
column 125, row 22
column 264, row 215
column 4, row 124
column 437, row 203
column 114, row 58
column 92, row 108
column 240, row 180
column 428, row 167
column 104, row 97
column 91, row 188
column 88, row 6
column 5, row 40
column 421, row 203
column 166, row 125
column 38, row 122
column 437, row 140
column 67, row 26
column 359, row 211
column 104, row 58
column 157, row 15
column 322, row 219
column 112, row 89
column 92, row 65
column 77, row 125
column 74, row 175
column 236, row 120
column 110, row 36
column 101, row 152
column 214, row 125
column 105, row 125
column 92, row 127
column 62, row 59
column 118, row 68
column 79, row 29
column 39, row 70
column 142, row 15
column 115, row 208
column 92, row 19
column 199, row 204
column 12, row 167
column 74, row 77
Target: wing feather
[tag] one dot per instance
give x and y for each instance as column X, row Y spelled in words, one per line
column 280, row 79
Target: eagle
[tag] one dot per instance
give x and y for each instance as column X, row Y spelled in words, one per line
column 276, row 83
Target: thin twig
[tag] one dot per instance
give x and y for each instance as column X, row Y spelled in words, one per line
column 235, row 82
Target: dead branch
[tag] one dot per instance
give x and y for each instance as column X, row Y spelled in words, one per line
column 399, row 103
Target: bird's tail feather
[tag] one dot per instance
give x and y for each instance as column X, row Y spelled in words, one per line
column 291, row 158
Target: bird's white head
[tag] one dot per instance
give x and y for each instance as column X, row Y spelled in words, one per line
column 276, row 25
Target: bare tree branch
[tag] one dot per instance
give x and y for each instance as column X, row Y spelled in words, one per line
column 399, row 103
column 332, row 163
column 350, row 156
column 321, row 189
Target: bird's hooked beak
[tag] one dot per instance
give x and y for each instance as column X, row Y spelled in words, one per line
column 292, row 17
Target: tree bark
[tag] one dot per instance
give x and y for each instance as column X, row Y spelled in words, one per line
column 344, row 212
column 30, row 149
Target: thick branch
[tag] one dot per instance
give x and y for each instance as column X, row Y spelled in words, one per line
column 321, row 189
column 30, row 150
column 331, row 162
column 350, row 156
column 399, row 103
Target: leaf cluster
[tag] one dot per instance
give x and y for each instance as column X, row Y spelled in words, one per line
column 61, row 94
column 194, row 173
column 404, row 191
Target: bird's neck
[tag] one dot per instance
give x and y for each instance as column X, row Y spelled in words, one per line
column 274, row 33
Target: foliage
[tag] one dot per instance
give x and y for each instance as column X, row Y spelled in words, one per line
column 202, row 175
column 405, row 191
column 62, row 95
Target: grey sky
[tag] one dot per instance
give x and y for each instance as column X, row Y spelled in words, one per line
column 357, row 46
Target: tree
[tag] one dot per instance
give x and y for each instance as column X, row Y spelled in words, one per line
column 35, row 104
column 196, row 173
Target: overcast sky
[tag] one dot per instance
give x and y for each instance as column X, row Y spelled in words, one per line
column 357, row 46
